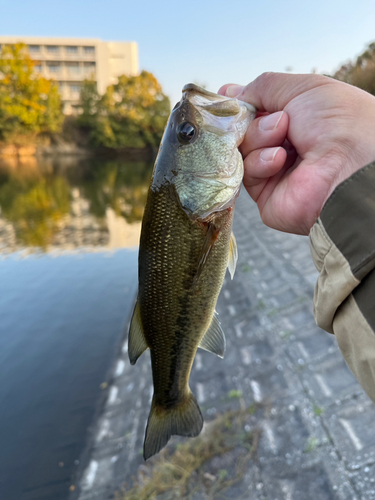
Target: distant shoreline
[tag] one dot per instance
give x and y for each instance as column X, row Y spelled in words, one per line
column 13, row 151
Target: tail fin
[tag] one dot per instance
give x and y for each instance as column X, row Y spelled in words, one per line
column 185, row 419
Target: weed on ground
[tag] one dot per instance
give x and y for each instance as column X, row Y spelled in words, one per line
column 208, row 464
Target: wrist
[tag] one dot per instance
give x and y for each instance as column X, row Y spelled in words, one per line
column 346, row 169
column 351, row 141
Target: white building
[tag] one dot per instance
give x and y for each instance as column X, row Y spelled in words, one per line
column 70, row 60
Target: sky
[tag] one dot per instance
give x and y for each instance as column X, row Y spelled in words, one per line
column 206, row 42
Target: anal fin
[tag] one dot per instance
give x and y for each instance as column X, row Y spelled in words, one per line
column 137, row 343
column 214, row 338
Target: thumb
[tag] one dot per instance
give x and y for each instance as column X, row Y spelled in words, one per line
column 231, row 90
column 271, row 92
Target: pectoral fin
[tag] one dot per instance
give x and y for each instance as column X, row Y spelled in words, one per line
column 233, row 255
column 137, row 343
column 207, row 247
column 214, row 339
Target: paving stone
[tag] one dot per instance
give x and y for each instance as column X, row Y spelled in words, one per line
column 300, row 482
column 284, row 434
column 317, row 426
column 364, row 481
column 316, row 344
column 351, row 427
column 329, row 380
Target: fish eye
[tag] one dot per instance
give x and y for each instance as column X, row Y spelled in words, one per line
column 186, row 132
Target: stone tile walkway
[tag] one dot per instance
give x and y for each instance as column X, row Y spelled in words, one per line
column 317, row 440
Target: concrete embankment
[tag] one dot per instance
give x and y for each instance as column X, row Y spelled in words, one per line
column 317, row 438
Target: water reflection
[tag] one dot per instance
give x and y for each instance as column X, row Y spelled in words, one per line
column 62, row 319
column 68, row 204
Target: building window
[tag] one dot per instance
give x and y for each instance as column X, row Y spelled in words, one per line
column 33, row 49
column 89, row 50
column 89, row 68
column 71, row 49
column 75, row 88
column 53, row 49
column 73, row 68
column 38, row 68
column 53, row 67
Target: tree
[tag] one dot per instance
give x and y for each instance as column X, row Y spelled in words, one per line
column 131, row 113
column 90, row 100
column 29, row 104
column 360, row 73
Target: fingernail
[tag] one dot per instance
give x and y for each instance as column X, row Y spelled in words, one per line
column 269, row 154
column 234, row 90
column 270, row 122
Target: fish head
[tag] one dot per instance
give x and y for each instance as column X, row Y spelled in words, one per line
column 199, row 151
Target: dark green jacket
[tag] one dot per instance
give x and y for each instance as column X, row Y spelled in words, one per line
column 342, row 244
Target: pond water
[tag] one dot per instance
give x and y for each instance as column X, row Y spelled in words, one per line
column 69, row 232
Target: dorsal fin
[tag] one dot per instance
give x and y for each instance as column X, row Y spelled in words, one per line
column 214, row 338
column 137, row 343
column 232, row 256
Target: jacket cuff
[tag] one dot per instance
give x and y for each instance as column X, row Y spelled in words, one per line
column 336, row 280
column 342, row 243
column 349, row 219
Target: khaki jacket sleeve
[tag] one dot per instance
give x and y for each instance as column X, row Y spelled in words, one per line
column 342, row 243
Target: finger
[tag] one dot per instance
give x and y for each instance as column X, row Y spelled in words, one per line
column 260, row 166
column 222, row 90
column 265, row 132
column 273, row 91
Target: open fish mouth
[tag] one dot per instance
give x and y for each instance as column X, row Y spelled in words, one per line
column 209, row 167
column 221, row 115
column 191, row 88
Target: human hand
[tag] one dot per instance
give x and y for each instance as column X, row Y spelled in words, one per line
column 310, row 134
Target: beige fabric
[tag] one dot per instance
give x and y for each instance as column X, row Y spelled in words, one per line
column 357, row 343
column 335, row 282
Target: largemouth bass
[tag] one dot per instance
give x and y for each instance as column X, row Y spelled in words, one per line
column 185, row 247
